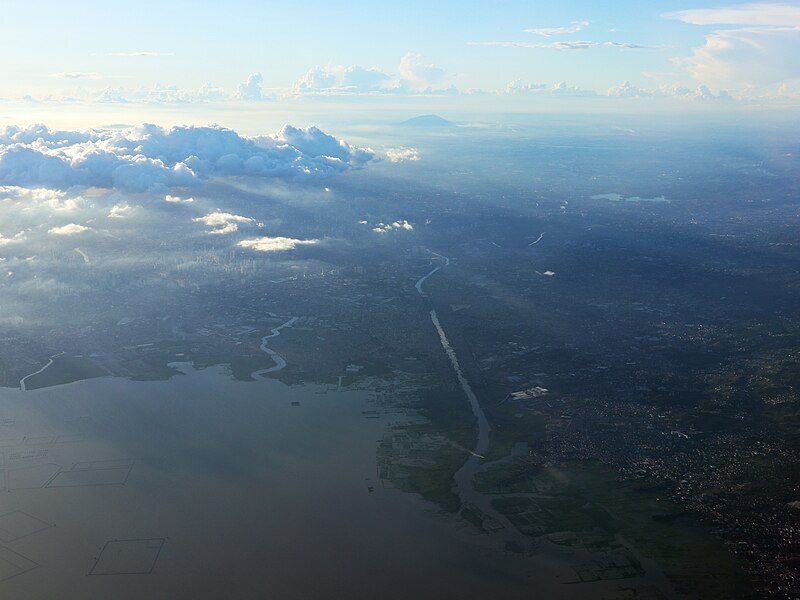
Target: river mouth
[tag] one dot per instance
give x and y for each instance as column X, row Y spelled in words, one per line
column 207, row 487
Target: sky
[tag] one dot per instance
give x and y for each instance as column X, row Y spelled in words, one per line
column 194, row 52
column 118, row 118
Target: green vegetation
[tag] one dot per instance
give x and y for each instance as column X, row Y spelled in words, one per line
column 585, row 504
column 66, row 369
column 432, row 480
column 472, row 515
column 436, row 448
column 508, row 429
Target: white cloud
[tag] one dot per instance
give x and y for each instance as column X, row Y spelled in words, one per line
column 178, row 200
column 562, row 45
column 402, row 225
column 251, row 89
column 414, row 76
column 518, row 87
column 69, row 229
column 143, row 53
column 341, row 79
column 274, row 244
column 149, row 158
column 315, row 144
column 773, row 14
column 222, row 222
column 119, row 211
column 420, row 76
column 551, row 31
column 4, row 241
column 562, row 89
column 626, row 90
column 396, row 155
column 623, row 90
column 161, row 94
column 741, row 57
column 763, row 49
column 76, row 75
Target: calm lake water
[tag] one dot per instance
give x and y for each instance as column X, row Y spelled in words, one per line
column 206, row 487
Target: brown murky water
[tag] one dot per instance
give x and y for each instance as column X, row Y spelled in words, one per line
column 205, row 487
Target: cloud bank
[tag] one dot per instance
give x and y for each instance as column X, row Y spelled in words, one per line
column 149, row 158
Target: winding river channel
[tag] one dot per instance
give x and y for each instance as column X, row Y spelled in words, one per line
column 465, row 476
column 280, row 363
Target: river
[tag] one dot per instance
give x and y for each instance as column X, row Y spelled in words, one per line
column 465, row 476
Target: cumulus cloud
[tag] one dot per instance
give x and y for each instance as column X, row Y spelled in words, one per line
column 755, row 56
column 402, row 225
column 178, row 200
column 574, row 27
column 68, row 229
column 274, row 244
column 19, row 236
column 418, row 75
column 119, row 211
column 762, row 48
column 149, row 158
column 396, row 155
column 251, row 89
column 53, row 200
column 353, row 79
column 222, row 222
column 414, row 76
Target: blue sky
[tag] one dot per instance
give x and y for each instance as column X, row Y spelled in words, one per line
column 205, row 50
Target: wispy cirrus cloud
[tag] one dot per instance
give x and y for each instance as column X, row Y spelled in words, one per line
column 548, row 32
column 76, row 75
column 140, row 53
column 562, row 45
column 575, row 27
